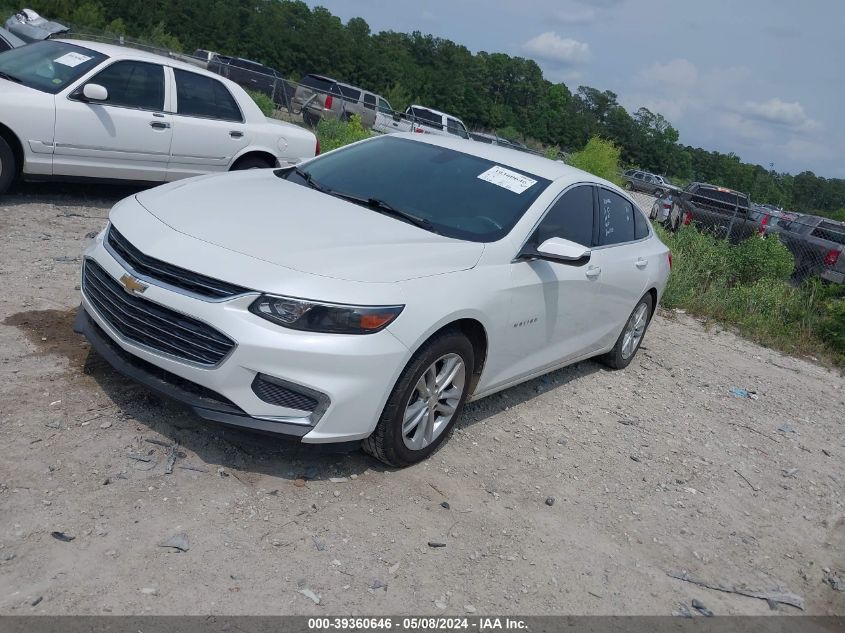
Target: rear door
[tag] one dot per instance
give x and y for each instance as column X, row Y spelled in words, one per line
column 208, row 126
column 620, row 263
column 368, row 117
column 127, row 136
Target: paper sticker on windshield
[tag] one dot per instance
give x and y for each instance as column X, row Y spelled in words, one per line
column 72, row 59
column 507, row 179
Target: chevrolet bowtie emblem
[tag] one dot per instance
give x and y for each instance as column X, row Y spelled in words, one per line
column 132, row 285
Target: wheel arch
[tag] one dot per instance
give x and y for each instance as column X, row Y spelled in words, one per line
column 254, row 153
column 17, row 147
column 476, row 333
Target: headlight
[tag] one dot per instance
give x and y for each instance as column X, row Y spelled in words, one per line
column 314, row 316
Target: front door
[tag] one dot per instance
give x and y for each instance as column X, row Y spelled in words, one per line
column 552, row 317
column 127, row 136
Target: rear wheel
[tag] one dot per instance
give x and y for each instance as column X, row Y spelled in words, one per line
column 8, row 165
column 632, row 335
column 252, row 162
column 425, row 403
column 629, row 186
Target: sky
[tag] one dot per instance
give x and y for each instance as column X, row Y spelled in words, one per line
column 763, row 79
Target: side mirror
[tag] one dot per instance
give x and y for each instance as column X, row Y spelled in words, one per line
column 95, row 92
column 560, row 251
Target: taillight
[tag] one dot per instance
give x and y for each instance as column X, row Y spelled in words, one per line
column 329, row 101
column 670, row 260
column 832, row 257
column 687, row 218
column 317, row 151
column 418, row 130
column 763, row 224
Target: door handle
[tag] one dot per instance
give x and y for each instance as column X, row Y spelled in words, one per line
column 593, row 272
column 159, row 125
column 236, row 134
column 641, row 263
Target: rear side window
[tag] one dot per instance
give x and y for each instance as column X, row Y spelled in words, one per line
column 370, row 101
column 830, row 232
column 4, row 45
column 133, row 85
column 640, row 225
column 427, row 117
column 202, row 96
column 318, row 83
column 571, row 218
column 349, row 93
column 715, row 198
column 617, row 223
column 456, row 127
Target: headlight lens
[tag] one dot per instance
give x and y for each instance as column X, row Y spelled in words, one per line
column 314, row 316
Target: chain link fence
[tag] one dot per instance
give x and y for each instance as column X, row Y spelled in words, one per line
column 817, row 244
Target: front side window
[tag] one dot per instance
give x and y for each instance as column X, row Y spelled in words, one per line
column 462, row 196
column 133, row 84
column 617, row 223
column 49, row 66
column 198, row 95
column 384, row 107
column 570, row 218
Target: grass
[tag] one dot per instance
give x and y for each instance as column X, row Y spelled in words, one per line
column 747, row 286
column 334, row 133
column 264, row 103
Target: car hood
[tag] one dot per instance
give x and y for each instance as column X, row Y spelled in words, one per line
column 257, row 214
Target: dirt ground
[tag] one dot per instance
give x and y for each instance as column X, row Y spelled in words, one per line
column 655, row 469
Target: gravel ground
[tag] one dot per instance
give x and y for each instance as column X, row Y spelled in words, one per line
column 575, row 493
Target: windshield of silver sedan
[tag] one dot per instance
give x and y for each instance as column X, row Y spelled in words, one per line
column 438, row 189
column 48, row 66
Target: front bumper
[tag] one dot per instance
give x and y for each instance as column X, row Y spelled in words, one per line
column 351, row 376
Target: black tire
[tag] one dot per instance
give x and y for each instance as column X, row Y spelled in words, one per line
column 386, row 443
column 655, row 210
column 673, row 220
column 615, row 358
column 252, row 162
column 8, row 165
column 629, row 186
column 658, row 193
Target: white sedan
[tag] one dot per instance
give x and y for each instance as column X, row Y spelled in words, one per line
column 369, row 293
column 75, row 109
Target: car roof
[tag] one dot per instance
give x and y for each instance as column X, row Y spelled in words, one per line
column 531, row 163
column 124, row 52
column 10, row 37
column 422, row 107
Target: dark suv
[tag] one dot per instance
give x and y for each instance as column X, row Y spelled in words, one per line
column 723, row 212
column 817, row 244
column 250, row 75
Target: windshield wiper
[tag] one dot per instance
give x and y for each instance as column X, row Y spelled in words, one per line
column 17, row 80
column 373, row 203
column 383, row 207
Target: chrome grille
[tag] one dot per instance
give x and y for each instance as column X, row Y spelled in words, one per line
column 152, row 325
column 168, row 273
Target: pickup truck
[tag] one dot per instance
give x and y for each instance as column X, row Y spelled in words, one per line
column 724, row 213
column 421, row 120
column 817, row 244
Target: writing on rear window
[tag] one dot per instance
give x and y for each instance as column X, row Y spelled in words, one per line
column 72, row 59
column 507, row 179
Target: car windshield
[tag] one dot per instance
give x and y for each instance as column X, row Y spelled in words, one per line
column 459, row 195
column 48, row 66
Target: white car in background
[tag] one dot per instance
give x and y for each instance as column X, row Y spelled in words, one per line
column 74, row 109
column 370, row 292
column 421, row 120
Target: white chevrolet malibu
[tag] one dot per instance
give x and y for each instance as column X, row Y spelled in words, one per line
column 368, row 294
column 82, row 110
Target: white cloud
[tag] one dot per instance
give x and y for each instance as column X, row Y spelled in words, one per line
column 552, row 47
column 789, row 114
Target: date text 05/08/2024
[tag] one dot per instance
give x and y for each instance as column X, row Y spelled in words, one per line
column 425, row 623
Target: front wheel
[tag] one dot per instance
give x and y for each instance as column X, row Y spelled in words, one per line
column 425, row 403
column 632, row 335
column 8, row 165
column 252, row 162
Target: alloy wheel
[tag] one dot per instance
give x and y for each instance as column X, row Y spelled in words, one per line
column 433, row 401
column 634, row 331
